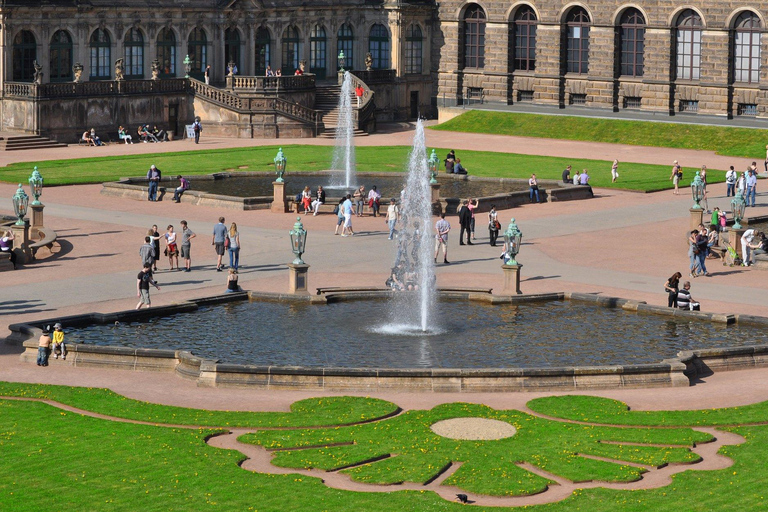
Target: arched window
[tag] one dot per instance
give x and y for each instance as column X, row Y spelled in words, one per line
column 166, row 52
column 378, row 45
column 474, row 37
column 746, row 48
column 317, row 45
column 524, row 37
column 24, row 56
column 61, row 57
column 632, row 37
column 414, row 44
column 197, row 49
column 345, row 42
column 577, row 41
column 688, row 45
column 232, row 48
column 134, row 54
column 291, row 50
column 263, row 50
column 100, row 55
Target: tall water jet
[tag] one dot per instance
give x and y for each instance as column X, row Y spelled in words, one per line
column 344, row 152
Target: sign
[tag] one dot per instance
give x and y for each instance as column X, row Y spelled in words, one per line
column 190, row 131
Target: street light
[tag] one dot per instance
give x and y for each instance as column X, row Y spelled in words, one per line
column 36, row 186
column 433, row 162
column 20, row 204
column 342, row 60
column 513, row 237
column 738, row 205
column 697, row 191
column 187, row 66
column 280, row 162
column 298, row 241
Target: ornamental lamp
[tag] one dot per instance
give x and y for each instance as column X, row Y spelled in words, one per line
column 187, row 66
column 280, row 162
column 433, row 162
column 697, row 191
column 298, row 241
column 342, row 60
column 36, row 186
column 20, row 204
column 738, row 205
column 513, row 238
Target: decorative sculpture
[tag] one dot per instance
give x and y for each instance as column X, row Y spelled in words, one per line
column 155, row 69
column 77, row 71
column 368, row 61
column 119, row 70
column 37, row 77
column 231, row 68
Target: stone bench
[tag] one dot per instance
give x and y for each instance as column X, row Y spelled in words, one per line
column 48, row 238
column 336, row 289
column 5, row 261
column 761, row 262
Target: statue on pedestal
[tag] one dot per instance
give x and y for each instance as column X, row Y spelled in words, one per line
column 155, row 69
column 368, row 61
column 37, row 77
column 77, row 71
column 119, row 70
column 231, row 68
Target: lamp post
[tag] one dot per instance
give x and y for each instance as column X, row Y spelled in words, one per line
column 21, row 228
column 187, row 66
column 36, row 186
column 697, row 191
column 297, row 269
column 279, row 204
column 298, row 241
column 513, row 237
column 342, row 61
column 433, row 162
column 280, row 162
column 20, row 204
column 738, row 206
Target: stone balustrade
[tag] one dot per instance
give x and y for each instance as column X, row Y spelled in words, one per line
column 271, row 83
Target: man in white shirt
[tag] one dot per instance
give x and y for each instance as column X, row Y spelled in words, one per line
column 442, row 227
column 751, row 187
column 730, row 181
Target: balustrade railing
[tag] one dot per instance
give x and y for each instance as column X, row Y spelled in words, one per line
column 376, row 76
column 367, row 106
column 272, row 83
column 91, row 89
column 20, row 89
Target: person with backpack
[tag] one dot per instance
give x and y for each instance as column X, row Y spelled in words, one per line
column 677, row 174
column 730, row 180
column 197, row 128
column 183, row 187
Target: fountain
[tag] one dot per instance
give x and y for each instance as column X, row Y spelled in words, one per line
column 344, row 152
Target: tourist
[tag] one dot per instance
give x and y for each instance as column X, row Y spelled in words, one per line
column 465, row 223
column 411, row 279
column 171, row 248
column 207, row 74
column 567, row 175
column 450, row 159
column 86, row 137
column 217, row 241
column 279, row 72
column 44, row 347
column 712, row 239
column 703, row 176
column 298, row 72
column 533, row 189
column 391, row 217
column 122, row 135
column 183, row 187
column 442, row 227
column 741, row 185
column 147, row 252
column 702, row 241
column 584, row 178
column 142, row 287
column 359, row 91
column 269, row 71
column 714, row 221
column 319, row 200
column 234, row 247
column 677, row 174
column 59, row 348
column 472, row 204
column 692, row 254
column 339, row 211
column 359, row 197
column 394, row 282
column 6, row 246
column 159, row 134
column 186, row 244
column 374, row 200
column 306, row 200
column 232, row 285
column 577, row 178
column 197, row 128
column 672, row 287
column 684, row 299
column 95, row 138
column 146, row 135
column 751, row 187
column 761, row 245
column 347, row 210
column 155, row 236
column 458, row 168
column 494, row 225
column 153, row 177
column 615, row 171
column 766, row 159
column 730, row 182
column 747, row 246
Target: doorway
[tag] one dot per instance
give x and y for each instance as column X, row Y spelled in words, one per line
column 173, row 118
column 414, row 105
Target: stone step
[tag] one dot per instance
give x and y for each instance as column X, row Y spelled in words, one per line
column 22, row 142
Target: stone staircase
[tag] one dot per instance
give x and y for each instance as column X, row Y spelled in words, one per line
column 20, row 142
column 327, row 101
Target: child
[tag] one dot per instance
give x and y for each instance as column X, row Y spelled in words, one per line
column 43, row 347
column 58, row 342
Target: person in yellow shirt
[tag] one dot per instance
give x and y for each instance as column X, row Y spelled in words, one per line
column 58, row 342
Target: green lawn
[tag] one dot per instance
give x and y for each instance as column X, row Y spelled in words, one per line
column 744, row 142
column 640, row 177
column 57, row 460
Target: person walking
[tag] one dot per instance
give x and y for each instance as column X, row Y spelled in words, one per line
column 702, row 242
column 142, row 287
column 730, row 181
column 465, row 223
column 391, row 218
column 533, row 189
column 374, row 199
column 359, row 94
column 147, row 252
column 217, row 241
column 693, row 253
column 615, row 171
column 153, row 177
column 703, row 176
column 672, row 286
column 197, row 128
column 234, row 247
column 677, row 173
column 442, row 227
column 339, row 211
column 493, row 225
column 348, row 210
column 751, row 187
column 186, row 244
column 472, row 205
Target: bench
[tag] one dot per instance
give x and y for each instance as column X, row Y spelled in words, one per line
column 48, row 239
column 464, row 289
column 334, row 289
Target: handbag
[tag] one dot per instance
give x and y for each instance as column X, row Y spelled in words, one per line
column 496, row 225
column 226, row 242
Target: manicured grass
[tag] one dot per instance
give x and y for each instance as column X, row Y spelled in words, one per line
column 310, row 412
column 744, row 142
column 642, row 177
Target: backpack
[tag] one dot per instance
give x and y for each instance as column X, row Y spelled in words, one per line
column 298, row 197
column 680, row 173
column 336, row 210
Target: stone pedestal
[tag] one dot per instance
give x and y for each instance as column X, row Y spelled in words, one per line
column 37, row 220
column 734, row 240
column 437, row 206
column 512, row 278
column 279, row 204
column 697, row 215
column 297, row 278
column 21, row 243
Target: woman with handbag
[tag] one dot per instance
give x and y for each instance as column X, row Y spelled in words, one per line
column 672, row 287
column 374, row 198
column 493, row 225
column 171, row 249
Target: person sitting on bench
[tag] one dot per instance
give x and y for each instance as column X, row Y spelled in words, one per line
column 183, row 186
column 124, row 136
column 684, row 299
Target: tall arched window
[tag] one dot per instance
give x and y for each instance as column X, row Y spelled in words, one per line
column 232, row 47
column 134, row 54
column 524, row 37
column 262, row 50
column 474, row 37
column 378, row 45
column 317, row 51
column 291, row 50
column 632, row 37
column 61, row 57
column 197, row 49
column 746, row 48
column 100, row 55
column 688, row 45
column 345, row 42
column 166, row 52
column 577, row 41
column 414, row 47
column 24, row 56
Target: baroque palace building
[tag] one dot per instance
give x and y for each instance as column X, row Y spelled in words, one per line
column 58, row 59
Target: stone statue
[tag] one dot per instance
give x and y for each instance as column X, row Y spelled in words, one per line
column 119, row 70
column 77, row 71
column 368, row 61
column 155, row 69
column 231, row 68
column 37, row 77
